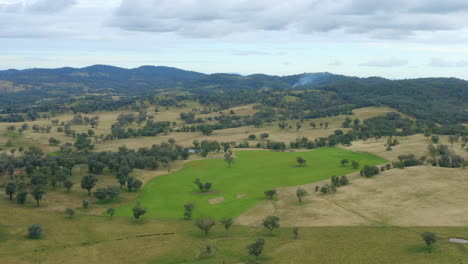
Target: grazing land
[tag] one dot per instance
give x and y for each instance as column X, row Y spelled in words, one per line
column 157, row 173
column 414, row 196
column 252, row 173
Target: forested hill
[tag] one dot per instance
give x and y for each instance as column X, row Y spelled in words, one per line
column 441, row 100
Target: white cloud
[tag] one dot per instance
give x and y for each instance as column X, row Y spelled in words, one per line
column 210, row 18
column 439, row 62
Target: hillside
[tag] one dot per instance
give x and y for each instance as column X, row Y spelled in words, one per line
column 438, row 100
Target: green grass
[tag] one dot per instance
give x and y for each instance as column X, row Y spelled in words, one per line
column 252, row 173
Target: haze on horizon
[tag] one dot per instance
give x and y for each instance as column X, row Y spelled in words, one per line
column 397, row 39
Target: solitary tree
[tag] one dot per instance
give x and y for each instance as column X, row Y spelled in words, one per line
column 301, row 161
column 188, row 211
column 138, row 211
column 344, row 162
column 88, row 182
column 205, row 224
column 10, row 189
column 37, row 193
column 300, row 193
column 271, row 222
column 298, row 126
column 256, row 248
column 270, row 193
column 85, row 204
column 429, row 238
column 227, row 222
column 229, row 158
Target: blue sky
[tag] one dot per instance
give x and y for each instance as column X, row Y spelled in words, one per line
column 393, row 39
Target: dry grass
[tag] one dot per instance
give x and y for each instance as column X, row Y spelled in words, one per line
column 415, row 144
column 414, row 196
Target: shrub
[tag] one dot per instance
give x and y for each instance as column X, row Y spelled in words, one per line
column 34, row 231
column 69, row 212
column 100, row 194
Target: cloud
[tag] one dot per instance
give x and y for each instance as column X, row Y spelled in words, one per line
column 443, row 63
column 386, row 63
column 50, row 6
column 210, row 18
column 38, row 6
column 335, row 63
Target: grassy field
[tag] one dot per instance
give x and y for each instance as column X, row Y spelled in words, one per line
column 421, row 195
column 242, row 185
column 94, row 239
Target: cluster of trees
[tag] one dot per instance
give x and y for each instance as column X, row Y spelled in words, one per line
column 150, row 129
column 407, row 161
column 442, row 156
column 331, row 187
column 34, row 172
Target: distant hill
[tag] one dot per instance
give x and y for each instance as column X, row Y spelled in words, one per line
column 437, row 99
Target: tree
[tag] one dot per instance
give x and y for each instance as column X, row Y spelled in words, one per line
column 68, row 184
column 270, row 193
column 295, row 232
column 301, row 161
column 204, row 187
column 37, row 193
column 298, row 126
column 435, row 139
column 22, row 196
column 53, row 141
column 429, row 238
column 88, row 182
column 227, row 222
column 264, row 136
column 69, row 212
column 188, row 211
column 271, row 222
column 355, row 164
column 110, row 212
column 10, row 189
column 344, row 162
column 300, row 193
column 229, row 158
column 83, row 143
column 85, row 204
column 369, row 171
column 34, row 231
column 256, row 248
column 205, row 224
column 138, row 211
column 100, row 193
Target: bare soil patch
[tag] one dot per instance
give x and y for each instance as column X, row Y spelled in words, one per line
column 216, row 200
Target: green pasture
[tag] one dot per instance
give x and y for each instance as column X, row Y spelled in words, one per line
column 252, row 173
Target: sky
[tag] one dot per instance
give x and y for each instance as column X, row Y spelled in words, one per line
column 393, row 39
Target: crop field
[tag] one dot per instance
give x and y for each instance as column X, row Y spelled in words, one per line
column 241, row 186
